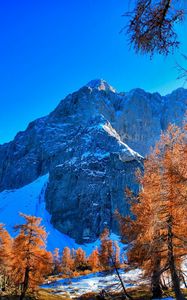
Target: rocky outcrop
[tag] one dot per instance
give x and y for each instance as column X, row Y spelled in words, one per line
column 84, row 191
column 91, row 145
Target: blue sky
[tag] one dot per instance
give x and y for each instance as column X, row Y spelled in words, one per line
column 51, row 48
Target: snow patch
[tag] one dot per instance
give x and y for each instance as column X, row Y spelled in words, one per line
column 100, row 84
column 126, row 153
column 93, row 283
column 98, row 154
column 111, row 131
column 30, row 200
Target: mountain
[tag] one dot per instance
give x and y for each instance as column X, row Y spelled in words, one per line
column 91, row 146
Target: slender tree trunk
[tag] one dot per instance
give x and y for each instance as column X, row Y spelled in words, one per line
column 155, row 280
column 25, row 284
column 122, row 284
column 174, row 276
column 127, row 296
column 156, row 274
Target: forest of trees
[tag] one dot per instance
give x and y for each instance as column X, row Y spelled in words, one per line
column 25, row 263
column 24, row 259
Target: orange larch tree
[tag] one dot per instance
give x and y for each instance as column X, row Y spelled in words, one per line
column 5, row 257
column 31, row 261
column 93, row 260
column 157, row 234
column 80, row 262
column 141, row 233
column 57, row 266
column 173, row 151
column 67, row 262
column 109, row 251
column 105, row 249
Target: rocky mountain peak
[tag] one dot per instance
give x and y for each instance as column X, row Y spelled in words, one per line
column 91, row 145
column 101, row 85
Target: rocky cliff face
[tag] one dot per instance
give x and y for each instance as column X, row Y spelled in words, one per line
column 84, row 191
column 91, row 145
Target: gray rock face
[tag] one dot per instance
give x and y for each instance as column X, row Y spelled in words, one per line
column 84, row 191
column 91, row 145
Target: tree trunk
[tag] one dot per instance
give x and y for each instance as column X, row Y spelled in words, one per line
column 126, row 295
column 155, row 280
column 25, row 284
column 156, row 274
column 172, row 267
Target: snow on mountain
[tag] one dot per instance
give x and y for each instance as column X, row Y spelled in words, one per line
column 101, row 85
column 91, row 145
column 30, row 200
column 127, row 154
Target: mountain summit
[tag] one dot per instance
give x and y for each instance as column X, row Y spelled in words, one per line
column 101, row 85
column 91, row 146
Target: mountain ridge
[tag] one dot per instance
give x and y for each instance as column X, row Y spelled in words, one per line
column 180, row 89
column 91, row 145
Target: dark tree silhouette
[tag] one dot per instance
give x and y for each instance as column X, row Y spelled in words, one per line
column 151, row 25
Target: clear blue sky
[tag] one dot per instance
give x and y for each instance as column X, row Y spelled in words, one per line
column 50, row 48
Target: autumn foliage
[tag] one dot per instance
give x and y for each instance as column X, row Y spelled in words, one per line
column 57, row 265
column 5, row 257
column 31, row 262
column 93, row 260
column 109, row 252
column 76, row 262
column 157, row 234
column 25, row 263
column 67, row 262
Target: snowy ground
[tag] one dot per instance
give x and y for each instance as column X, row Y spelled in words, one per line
column 95, row 283
column 30, row 200
column 92, row 283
